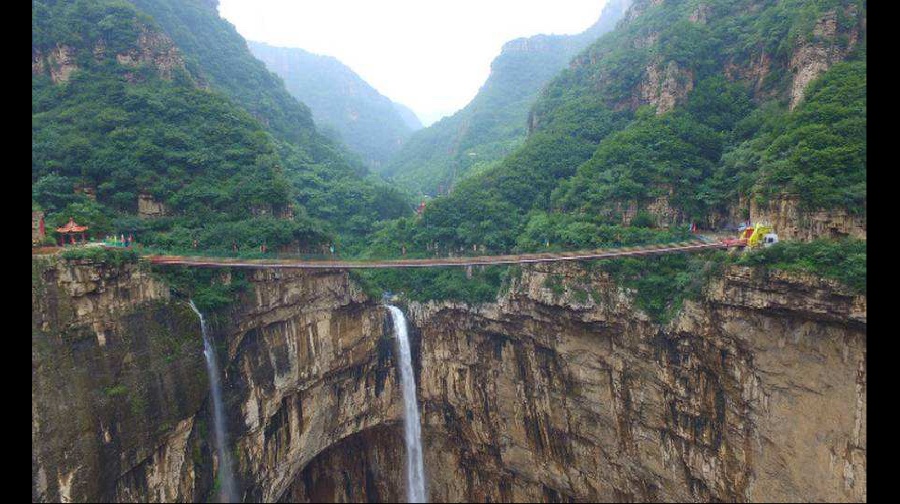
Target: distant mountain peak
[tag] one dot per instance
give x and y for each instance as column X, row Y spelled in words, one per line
column 367, row 122
column 495, row 121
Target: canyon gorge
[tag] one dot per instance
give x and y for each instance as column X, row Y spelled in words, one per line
column 754, row 392
column 172, row 362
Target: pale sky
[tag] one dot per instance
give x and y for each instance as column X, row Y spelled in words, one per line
column 428, row 55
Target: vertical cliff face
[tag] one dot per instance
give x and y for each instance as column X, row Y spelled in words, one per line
column 364, row 467
column 119, row 387
column 756, row 392
column 117, row 384
column 311, row 364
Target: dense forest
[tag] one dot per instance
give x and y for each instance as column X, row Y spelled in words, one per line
column 597, row 148
column 682, row 112
column 163, row 99
column 674, row 104
column 494, row 123
column 341, row 102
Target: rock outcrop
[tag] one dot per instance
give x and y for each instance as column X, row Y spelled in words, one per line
column 795, row 223
column 117, row 380
column 148, row 207
column 822, row 50
column 754, row 392
column 791, row 220
column 59, row 61
column 663, row 86
column 152, row 48
column 311, row 364
column 119, row 385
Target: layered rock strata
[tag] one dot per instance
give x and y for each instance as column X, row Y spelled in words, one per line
column 754, row 393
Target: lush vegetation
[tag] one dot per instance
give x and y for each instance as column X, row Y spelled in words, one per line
column 230, row 153
column 101, row 255
column 214, row 51
column 667, row 155
column 331, row 184
column 215, row 137
column 843, row 260
column 816, row 153
column 207, row 161
column 367, row 122
column 661, row 284
column 424, row 284
column 211, row 290
column 591, row 157
column 494, row 123
column 594, row 155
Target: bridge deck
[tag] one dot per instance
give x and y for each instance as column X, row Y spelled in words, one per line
column 200, row 261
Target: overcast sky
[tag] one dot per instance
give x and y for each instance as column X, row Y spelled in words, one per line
column 432, row 56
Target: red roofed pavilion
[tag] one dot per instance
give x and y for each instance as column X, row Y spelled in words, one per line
column 71, row 229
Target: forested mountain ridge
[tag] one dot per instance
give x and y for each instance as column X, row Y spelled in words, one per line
column 153, row 117
column 409, row 117
column 687, row 111
column 494, row 123
column 367, row 122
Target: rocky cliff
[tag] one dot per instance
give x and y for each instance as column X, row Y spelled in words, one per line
column 152, row 49
column 754, row 392
column 117, row 383
column 119, row 386
column 757, row 392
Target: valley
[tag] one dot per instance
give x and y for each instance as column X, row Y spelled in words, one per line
column 632, row 269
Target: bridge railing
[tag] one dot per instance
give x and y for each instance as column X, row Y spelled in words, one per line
column 212, row 261
column 412, row 255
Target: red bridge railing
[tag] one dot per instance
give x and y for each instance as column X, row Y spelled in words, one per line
column 546, row 257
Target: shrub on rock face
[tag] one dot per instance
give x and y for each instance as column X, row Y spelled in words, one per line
column 843, row 260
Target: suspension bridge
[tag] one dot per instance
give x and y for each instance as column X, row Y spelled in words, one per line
column 461, row 261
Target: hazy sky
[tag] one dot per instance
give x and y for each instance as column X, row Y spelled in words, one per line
column 432, row 56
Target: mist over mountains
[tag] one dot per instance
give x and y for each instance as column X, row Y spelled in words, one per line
column 367, row 122
column 494, row 123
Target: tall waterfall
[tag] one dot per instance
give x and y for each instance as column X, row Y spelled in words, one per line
column 415, row 470
column 226, row 478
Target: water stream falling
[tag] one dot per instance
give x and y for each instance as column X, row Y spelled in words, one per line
column 226, row 478
column 415, row 470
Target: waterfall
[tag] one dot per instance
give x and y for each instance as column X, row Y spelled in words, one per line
column 415, row 471
column 226, row 478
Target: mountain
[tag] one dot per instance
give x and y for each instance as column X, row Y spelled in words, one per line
column 494, row 123
column 709, row 112
column 369, row 123
column 409, row 117
column 153, row 117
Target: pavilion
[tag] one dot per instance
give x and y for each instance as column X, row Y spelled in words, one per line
column 71, row 229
